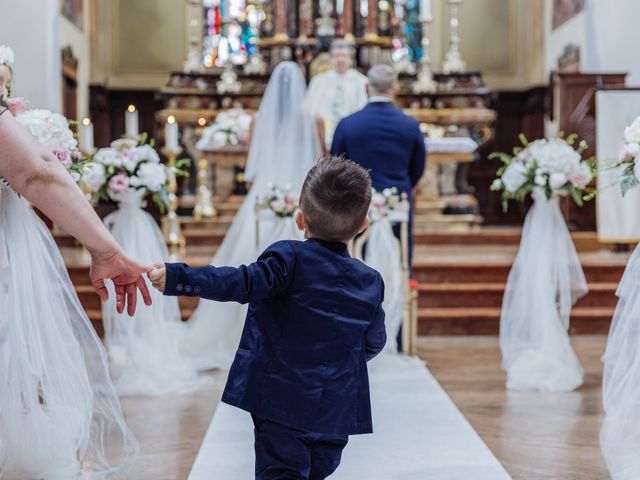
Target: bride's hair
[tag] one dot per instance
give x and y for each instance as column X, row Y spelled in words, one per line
column 335, row 198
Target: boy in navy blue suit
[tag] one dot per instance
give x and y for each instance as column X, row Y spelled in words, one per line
column 315, row 318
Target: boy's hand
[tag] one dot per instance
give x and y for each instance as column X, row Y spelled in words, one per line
column 158, row 277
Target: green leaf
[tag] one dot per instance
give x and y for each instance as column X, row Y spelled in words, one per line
column 576, row 195
column 628, row 182
column 523, row 139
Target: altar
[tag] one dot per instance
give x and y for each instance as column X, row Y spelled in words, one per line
column 233, row 49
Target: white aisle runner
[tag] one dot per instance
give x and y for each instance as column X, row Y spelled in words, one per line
column 419, row 435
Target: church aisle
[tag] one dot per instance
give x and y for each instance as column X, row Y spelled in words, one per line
column 535, row 436
column 420, row 434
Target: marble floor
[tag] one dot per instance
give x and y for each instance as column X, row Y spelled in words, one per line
column 534, row 436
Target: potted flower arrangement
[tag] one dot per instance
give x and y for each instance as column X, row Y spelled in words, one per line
column 383, row 203
column 127, row 166
column 280, row 201
column 53, row 132
column 231, row 128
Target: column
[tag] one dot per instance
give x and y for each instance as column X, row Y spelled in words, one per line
column 347, row 19
column 281, row 20
column 372, row 19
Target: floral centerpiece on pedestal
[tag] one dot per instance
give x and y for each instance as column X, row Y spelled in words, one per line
column 546, row 278
column 554, row 166
column 127, row 166
column 53, row 132
column 629, row 158
column 280, row 201
column 383, row 203
column 231, row 128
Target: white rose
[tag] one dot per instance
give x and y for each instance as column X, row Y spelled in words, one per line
column 108, row 156
column 219, row 139
column 497, row 184
column 95, row 176
column 633, row 149
column 153, row 176
column 557, row 181
column 632, row 132
column 514, row 177
column 540, row 180
column 146, row 153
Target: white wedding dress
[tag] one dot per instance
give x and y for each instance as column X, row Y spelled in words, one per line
column 59, row 414
column 544, row 283
column 620, row 435
column 284, row 147
column 144, row 350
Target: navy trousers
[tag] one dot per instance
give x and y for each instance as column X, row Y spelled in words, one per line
column 284, row 453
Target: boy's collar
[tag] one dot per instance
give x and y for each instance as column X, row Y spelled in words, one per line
column 336, row 246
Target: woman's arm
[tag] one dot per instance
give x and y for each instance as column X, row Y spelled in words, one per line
column 35, row 173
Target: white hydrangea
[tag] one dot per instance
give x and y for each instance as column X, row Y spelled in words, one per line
column 95, row 176
column 6, row 55
column 514, row 176
column 50, row 129
column 632, row 132
column 108, row 156
column 153, row 176
column 554, row 156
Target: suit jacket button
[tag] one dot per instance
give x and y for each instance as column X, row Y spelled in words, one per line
column 196, row 290
column 179, row 287
column 187, row 289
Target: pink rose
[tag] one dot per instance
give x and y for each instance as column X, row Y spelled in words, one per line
column 17, row 105
column 378, row 200
column 119, row 183
column 277, row 205
column 290, row 199
column 63, row 156
column 243, row 137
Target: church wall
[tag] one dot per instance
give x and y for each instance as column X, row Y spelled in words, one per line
column 80, row 43
column 30, row 28
column 574, row 31
column 143, row 41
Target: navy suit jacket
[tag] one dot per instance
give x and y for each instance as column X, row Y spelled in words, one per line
column 386, row 141
column 315, row 318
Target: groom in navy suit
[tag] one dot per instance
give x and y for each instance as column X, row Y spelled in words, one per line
column 384, row 140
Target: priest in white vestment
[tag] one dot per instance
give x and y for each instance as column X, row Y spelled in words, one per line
column 339, row 92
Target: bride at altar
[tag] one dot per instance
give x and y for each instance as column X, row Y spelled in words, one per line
column 285, row 144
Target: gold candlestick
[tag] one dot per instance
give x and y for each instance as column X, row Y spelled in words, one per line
column 171, row 222
column 204, row 205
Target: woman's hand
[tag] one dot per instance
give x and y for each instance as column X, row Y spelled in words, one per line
column 126, row 275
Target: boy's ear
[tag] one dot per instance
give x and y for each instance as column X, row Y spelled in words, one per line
column 300, row 220
column 364, row 225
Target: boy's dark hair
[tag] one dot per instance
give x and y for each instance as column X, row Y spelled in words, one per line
column 335, row 198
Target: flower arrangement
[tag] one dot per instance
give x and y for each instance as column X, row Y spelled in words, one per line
column 128, row 165
column 554, row 166
column 230, row 128
column 280, row 201
column 629, row 158
column 382, row 203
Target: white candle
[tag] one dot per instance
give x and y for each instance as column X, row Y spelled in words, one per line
column 86, row 136
column 131, row 122
column 171, row 134
column 425, row 10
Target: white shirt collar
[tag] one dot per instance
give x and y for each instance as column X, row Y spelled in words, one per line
column 379, row 98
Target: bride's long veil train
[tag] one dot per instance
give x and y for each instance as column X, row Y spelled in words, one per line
column 620, row 435
column 285, row 145
column 59, row 413
column 545, row 281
